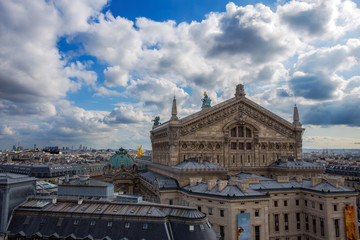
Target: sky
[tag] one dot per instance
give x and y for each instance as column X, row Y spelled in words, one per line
column 96, row 72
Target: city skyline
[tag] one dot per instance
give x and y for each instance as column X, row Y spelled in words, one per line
column 97, row 72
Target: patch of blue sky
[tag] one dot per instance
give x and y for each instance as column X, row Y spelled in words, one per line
column 177, row 10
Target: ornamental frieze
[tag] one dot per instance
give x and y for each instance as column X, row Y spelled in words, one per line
column 241, row 108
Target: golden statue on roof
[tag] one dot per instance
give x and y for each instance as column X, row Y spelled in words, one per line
column 139, row 152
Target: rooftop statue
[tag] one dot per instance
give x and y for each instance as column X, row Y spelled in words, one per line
column 156, row 121
column 206, row 101
column 139, row 152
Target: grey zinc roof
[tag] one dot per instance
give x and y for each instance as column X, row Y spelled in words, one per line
column 13, row 177
column 244, row 175
column 163, row 181
column 229, row 190
column 293, row 164
column 90, row 182
column 195, row 165
column 324, row 186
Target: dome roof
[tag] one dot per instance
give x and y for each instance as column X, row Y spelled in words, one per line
column 121, row 157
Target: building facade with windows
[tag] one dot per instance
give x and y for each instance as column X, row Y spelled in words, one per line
column 281, row 209
column 237, row 134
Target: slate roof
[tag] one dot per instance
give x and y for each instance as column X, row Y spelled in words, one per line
column 90, row 183
column 323, row 186
column 163, row 182
column 108, row 220
column 7, row 178
column 194, row 164
column 345, row 170
column 244, row 175
column 262, row 187
column 294, row 164
column 228, row 191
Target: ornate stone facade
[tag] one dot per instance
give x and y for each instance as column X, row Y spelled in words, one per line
column 237, row 134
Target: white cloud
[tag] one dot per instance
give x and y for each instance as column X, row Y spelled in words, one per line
column 115, row 76
column 5, row 130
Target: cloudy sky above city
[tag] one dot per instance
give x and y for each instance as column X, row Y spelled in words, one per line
column 96, row 72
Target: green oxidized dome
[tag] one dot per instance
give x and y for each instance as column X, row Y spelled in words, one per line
column 121, row 157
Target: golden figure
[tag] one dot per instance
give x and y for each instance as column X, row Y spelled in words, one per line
column 139, row 152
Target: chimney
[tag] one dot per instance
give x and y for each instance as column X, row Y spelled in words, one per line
column 222, row 185
column 315, row 181
column 194, row 181
column 252, row 180
column 54, row 200
column 80, row 201
column 299, row 178
column 336, row 181
column 283, row 179
column 211, row 184
column 243, row 186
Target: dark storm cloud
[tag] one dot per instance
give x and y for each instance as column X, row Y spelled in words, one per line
column 316, row 87
column 282, row 93
column 312, row 21
column 238, row 38
column 344, row 112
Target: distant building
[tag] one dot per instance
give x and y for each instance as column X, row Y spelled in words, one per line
column 14, row 189
column 86, row 187
column 51, row 170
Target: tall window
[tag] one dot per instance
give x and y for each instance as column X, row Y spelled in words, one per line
column 298, row 226
column 314, row 224
column 276, row 222
column 322, row 230
column 286, row 221
column 241, row 131
column 241, row 146
column 222, row 232
column 307, row 222
column 257, row 232
column 337, row 230
column 233, row 132
column 248, row 133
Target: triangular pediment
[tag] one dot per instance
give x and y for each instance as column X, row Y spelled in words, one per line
column 238, row 109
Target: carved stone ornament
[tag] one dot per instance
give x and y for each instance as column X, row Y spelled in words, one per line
column 251, row 109
column 241, row 118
